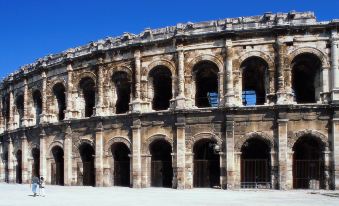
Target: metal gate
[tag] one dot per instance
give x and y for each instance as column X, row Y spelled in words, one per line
column 162, row 173
column 88, row 173
column 121, row 173
column 308, row 174
column 255, row 173
column 206, row 173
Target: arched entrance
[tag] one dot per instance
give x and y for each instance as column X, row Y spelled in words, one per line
column 122, row 82
column 36, row 162
column 206, row 164
column 87, row 156
column 161, row 164
column 57, row 166
column 255, row 164
column 121, row 158
column 308, row 163
column 19, row 167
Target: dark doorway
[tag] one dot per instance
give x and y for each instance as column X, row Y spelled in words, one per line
column 87, row 86
column 162, row 87
column 121, row 157
column 123, row 89
column 57, row 166
column 206, row 164
column 306, row 77
column 206, row 82
column 5, row 156
column 308, row 164
column 37, row 101
column 161, row 164
column 254, row 71
column 20, row 108
column 36, row 162
column 87, row 156
column 19, row 167
column 255, row 164
column 59, row 93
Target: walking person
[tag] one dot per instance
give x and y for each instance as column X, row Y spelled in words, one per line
column 34, row 185
column 42, row 187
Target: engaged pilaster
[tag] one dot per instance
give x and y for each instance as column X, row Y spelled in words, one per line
column 69, row 96
column 11, row 176
column 180, row 100
column 181, row 154
column 25, row 122
column 283, row 154
column 136, row 154
column 24, row 149
column 43, row 152
column 230, row 157
column 99, row 150
column 68, row 157
column 99, row 107
column 335, row 151
column 44, row 118
column 136, row 104
column 334, row 66
column 229, row 96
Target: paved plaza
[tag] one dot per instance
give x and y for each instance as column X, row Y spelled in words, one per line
column 102, row 196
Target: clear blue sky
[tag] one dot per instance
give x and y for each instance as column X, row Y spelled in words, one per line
column 31, row 29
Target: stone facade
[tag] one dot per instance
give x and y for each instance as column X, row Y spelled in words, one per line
column 134, row 110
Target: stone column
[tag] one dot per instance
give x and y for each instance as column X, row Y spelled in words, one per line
column 284, row 85
column 43, row 154
column 99, row 155
column 327, row 155
column 44, row 118
column 229, row 96
column 335, row 151
column 11, row 169
column 274, row 169
column 2, row 126
column 136, row 154
column 11, row 122
column 334, row 66
column 237, row 164
column 2, row 165
column 180, row 99
column 180, row 156
column 25, row 165
column 25, row 122
column 282, row 153
column 69, row 96
column 230, row 164
column 99, row 107
column 136, row 104
column 68, row 157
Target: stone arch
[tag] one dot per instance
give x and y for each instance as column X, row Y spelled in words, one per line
column 121, row 68
column 54, row 82
column 114, row 140
column 322, row 57
column 54, row 144
column 268, row 139
column 85, row 74
column 32, row 146
column 295, row 136
column 161, row 62
column 203, row 135
column 204, row 57
column 267, row 58
column 150, row 140
column 77, row 144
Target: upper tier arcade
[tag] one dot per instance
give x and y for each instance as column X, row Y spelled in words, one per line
column 269, row 60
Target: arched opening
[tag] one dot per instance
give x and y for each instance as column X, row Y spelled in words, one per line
column 88, row 172
column 121, row 158
column 57, row 166
column 87, row 87
column 306, row 83
column 19, row 102
column 36, row 162
column 254, row 71
column 308, row 163
column 5, row 110
column 161, row 79
column 5, row 156
column 37, row 101
column 255, row 164
column 206, row 84
column 18, row 168
column 206, row 164
column 161, row 164
column 122, row 84
column 59, row 93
